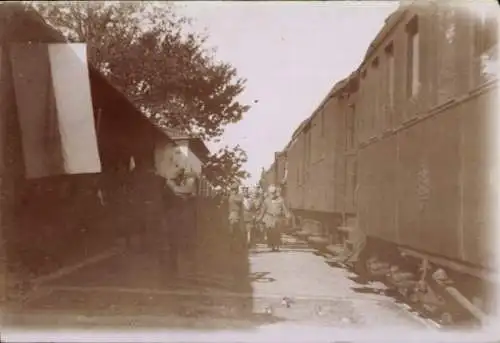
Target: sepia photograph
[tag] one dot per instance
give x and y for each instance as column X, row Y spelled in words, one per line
column 249, row 171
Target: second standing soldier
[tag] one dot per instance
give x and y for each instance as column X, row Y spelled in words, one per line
column 273, row 214
column 235, row 207
column 249, row 216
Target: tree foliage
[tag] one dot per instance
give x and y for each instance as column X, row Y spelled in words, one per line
column 225, row 167
column 148, row 53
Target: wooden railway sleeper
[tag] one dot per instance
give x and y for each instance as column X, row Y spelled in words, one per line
column 402, row 280
column 376, row 267
column 442, row 279
column 433, row 300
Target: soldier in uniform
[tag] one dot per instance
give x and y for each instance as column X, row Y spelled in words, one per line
column 147, row 204
column 235, row 207
column 179, row 223
column 273, row 214
column 258, row 199
column 249, row 216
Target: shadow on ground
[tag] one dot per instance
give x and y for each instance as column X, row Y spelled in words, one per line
column 213, row 290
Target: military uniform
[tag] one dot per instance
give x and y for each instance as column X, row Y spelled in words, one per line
column 146, row 209
column 273, row 214
column 249, row 218
column 258, row 226
column 180, row 220
column 235, row 219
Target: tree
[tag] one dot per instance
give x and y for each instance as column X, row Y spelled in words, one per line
column 146, row 51
column 225, row 167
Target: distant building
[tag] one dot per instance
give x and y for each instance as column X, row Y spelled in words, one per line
column 182, row 151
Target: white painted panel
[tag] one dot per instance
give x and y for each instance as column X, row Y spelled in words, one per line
column 70, row 79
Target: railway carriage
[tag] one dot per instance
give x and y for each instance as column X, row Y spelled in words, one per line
column 399, row 151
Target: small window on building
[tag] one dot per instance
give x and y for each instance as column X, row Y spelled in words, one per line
column 413, row 60
column 389, row 51
column 375, row 63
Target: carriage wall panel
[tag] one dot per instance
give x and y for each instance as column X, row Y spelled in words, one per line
column 331, row 151
column 321, row 181
column 296, row 163
column 383, row 207
column 338, row 168
column 438, row 203
column 410, row 153
column 316, row 200
column 291, row 182
column 350, row 184
column 301, row 160
column 439, row 183
column 476, row 164
column 365, row 192
column 428, row 185
column 280, row 159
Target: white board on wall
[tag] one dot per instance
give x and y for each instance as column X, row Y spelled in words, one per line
column 54, row 106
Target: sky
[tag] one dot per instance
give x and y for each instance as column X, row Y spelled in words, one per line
column 291, row 53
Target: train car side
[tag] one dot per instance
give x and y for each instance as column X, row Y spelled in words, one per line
column 422, row 139
column 401, row 146
column 317, row 184
column 423, row 157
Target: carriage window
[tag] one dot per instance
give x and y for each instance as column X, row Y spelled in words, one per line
column 389, row 51
column 413, row 61
column 486, row 31
column 375, row 79
column 351, row 127
column 485, row 42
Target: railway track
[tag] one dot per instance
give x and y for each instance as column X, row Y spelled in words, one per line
column 426, row 317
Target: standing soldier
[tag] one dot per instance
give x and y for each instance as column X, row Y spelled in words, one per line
column 180, row 215
column 146, row 198
column 273, row 214
column 258, row 200
column 249, row 216
column 235, row 206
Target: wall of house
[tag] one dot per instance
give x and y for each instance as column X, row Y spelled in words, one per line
column 171, row 157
